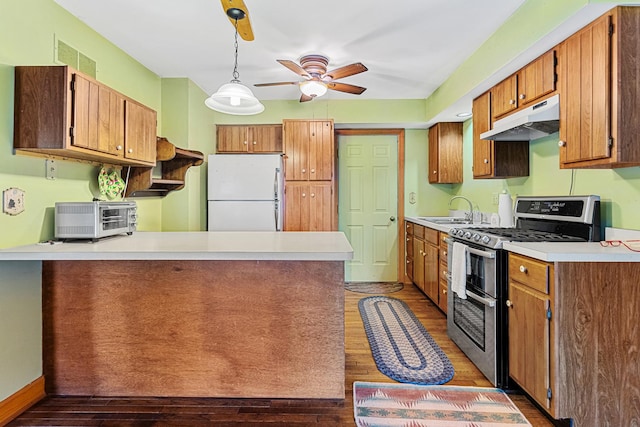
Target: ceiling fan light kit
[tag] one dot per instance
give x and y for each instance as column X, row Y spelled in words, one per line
column 233, row 97
column 313, row 88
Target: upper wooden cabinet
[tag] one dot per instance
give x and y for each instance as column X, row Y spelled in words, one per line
column 532, row 82
column 445, row 153
column 505, row 96
column 249, row 139
column 495, row 159
column 62, row 112
column 309, row 150
column 599, row 94
column 537, row 79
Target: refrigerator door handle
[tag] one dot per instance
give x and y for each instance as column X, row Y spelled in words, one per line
column 276, row 196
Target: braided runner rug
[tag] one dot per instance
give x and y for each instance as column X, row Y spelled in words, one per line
column 402, row 348
column 373, row 287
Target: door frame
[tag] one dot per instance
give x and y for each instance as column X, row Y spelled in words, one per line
column 399, row 134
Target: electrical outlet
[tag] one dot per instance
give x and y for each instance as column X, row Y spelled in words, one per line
column 50, row 166
column 494, row 198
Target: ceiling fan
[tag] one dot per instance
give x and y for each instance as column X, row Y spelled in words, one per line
column 238, row 14
column 317, row 79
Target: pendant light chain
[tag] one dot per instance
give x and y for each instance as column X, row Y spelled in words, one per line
column 236, row 74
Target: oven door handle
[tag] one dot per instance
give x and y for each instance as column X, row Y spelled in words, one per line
column 486, row 301
column 485, row 254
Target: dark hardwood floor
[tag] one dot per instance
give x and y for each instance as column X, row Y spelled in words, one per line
column 360, row 366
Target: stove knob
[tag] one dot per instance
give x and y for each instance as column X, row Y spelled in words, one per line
column 486, row 240
column 453, row 231
column 467, row 235
column 476, row 237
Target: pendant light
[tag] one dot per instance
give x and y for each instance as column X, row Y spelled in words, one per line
column 234, row 97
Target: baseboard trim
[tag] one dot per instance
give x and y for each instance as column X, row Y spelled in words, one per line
column 21, row 400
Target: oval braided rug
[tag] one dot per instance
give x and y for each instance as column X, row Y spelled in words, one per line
column 402, row 348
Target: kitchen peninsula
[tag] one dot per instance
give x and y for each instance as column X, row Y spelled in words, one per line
column 212, row 314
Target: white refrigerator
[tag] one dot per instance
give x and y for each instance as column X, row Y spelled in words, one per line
column 244, row 192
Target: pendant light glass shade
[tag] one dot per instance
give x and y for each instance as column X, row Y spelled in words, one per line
column 234, row 98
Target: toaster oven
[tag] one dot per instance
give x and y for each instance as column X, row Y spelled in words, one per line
column 94, row 220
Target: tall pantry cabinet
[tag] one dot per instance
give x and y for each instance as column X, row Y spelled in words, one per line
column 309, row 172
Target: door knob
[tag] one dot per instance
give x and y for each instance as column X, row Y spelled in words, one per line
column 393, row 218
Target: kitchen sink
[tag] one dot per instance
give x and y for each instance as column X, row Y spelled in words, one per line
column 445, row 219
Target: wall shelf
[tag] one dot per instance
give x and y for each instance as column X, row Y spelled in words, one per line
column 173, row 162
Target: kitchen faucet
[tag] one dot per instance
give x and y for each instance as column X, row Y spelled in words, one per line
column 469, row 215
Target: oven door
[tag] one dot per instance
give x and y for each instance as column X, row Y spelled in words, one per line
column 472, row 322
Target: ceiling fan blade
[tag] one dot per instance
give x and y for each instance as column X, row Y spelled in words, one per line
column 346, row 71
column 276, row 84
column 244, row 25
column 343, row 87
column 294, row 67
column 305, row 98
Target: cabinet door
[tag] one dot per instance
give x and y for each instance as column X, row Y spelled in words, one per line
column 321, row 150
column 537, row 78
column 320, row 206
column 431, row 271
column 504, row 96
column 296, row 149
column 265, row 138
column 231, row 139
column 482, row 149
column 296, row 206
column 529, row 341
column 584, row 98
column 418, row 263
column 110, row 122
column 140, row 132
column 433, row 154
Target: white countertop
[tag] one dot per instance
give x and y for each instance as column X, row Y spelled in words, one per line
column 573, row 252
column 229, row 245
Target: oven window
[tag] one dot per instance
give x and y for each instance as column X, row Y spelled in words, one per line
column 469, row 316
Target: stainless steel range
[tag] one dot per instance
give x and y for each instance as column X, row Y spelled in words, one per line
column 478, row 322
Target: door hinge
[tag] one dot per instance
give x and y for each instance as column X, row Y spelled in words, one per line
column 549, row 393
column 611, row 29
column 609, row 146
column 549, row 313
column 72, row 132
column 72, row 85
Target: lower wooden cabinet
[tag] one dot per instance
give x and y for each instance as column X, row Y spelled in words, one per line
column 408, row 250
column 443, row 287
column 530, row 307
column 309, row 206
column 425, row 260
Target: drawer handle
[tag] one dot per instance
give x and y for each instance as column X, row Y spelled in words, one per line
column 509, row 304
column 523, row 269
column 522, row 96
column 444, row 291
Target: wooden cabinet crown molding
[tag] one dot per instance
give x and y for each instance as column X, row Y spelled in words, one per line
column 63, row 113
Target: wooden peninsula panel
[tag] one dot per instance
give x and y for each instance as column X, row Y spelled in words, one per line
column 194, row 328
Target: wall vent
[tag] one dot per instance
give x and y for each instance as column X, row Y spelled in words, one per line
column 66, row 54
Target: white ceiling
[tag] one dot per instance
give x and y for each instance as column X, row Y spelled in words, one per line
column 409, row 46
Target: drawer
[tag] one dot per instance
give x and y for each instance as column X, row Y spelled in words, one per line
column 443, row 236
column 418, row 231
column 443, row 271
column 409, row 228
column 530, row 272
column 409, row 267
column 409, row 247
column 432, row 236
column 443, row 255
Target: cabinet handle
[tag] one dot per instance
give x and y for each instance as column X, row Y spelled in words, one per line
column 435, row 172
column 509, row 304
column 313, row 171
column 512, row 101
column 245, row 142
column 444, row 253
column 522, row 96
column 444, row 291
column 304, row 170
column 304, row 194
column 408, row 239
column 561, row 143
column 486, row 161
column 119, row 147
column 523, row 269
column 254, row 143
column 130, row 150
column 313, row 194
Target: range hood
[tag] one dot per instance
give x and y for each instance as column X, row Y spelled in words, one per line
column 531, row 123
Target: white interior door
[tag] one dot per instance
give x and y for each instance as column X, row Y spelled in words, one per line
column 367, row 205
